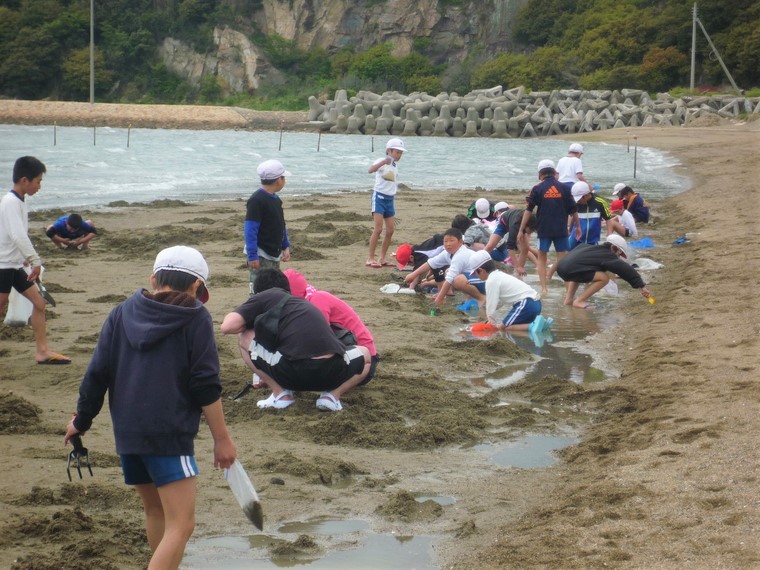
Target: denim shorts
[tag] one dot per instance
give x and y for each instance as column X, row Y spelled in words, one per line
column 157, row 469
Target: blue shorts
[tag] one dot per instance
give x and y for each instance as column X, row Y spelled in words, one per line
column 157, row 469
column 478, row 283
column 499, row 255
column 560, row 244
column 523, row 312
column 383, row 204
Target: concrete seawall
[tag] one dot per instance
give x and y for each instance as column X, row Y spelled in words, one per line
column 514, row 113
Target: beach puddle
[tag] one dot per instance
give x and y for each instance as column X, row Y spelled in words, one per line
column 529, row 452
column 291, row 547
column 324, row 526
column 557, row 352
column 441, row 500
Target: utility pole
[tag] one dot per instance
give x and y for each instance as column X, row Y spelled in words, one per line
column 92, row 51
column 693, row 44
column 696, row 21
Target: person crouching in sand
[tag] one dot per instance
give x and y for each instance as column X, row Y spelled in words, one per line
column 590, row 264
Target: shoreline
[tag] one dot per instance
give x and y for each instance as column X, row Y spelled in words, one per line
column 117, row 115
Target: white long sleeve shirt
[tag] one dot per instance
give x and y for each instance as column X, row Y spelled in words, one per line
column 15, row 245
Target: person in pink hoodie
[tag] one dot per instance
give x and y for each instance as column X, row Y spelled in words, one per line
column 336, row 312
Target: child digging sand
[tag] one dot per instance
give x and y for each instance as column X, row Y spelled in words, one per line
column 503, row 289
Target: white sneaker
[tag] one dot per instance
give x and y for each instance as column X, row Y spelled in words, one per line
column 328, row 403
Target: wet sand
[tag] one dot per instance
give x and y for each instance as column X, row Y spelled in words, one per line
column 665, row 474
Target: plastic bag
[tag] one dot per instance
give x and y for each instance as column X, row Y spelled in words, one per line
column 245, row 493
column 19, row 310
column 396, row 288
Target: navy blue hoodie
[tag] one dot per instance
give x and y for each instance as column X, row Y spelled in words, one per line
column 160, row 365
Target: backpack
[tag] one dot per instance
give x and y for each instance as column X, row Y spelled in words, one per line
column 345, row 336
column 266, row 326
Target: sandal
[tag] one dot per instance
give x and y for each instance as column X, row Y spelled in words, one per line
column 277, row 402
column 328, row 403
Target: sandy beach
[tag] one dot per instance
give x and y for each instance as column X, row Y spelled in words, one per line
column 665, row 474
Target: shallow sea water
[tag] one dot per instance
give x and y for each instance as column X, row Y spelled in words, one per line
column 221, row 165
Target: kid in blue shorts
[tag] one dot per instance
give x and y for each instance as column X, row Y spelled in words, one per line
column 157, row 359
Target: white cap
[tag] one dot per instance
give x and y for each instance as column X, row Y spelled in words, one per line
column 618, row 187
column 621, row 244
column 477, row 260
column 576, row 147
column 271, row 170
column 397, row 144
column 580, row 189
column 482, row 207
column 500, row 206
column 185, row 259
column 546, row 163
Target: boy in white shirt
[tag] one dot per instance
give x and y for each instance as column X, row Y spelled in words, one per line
column 503, row 289
column 457, row 256
column 624, row 224
column 570, row 167
column 17, row 253
column 383, row 207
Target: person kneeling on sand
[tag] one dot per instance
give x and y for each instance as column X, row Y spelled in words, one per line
column 591, row 264
column 503, row 289
column 71, row 232
column 623, row 223
column 457, row 256
column 289, row 344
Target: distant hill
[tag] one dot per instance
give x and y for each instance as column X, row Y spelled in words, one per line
column 275, row 53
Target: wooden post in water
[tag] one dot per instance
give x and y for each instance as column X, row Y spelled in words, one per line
column 635, row 153
column 55, row 133
column 373, row 143
column 129, row 131
column 628, row 138
column 93, row 135
column 282, row 125
column 319, row 139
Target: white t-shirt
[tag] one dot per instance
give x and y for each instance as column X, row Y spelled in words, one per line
column 626, row 218
column 439, row 260
column 460, row 263
column 382, row 174
column 15, row 245
column 503, row 289
column 568, row 169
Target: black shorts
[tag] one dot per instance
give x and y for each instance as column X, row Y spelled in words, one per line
column 14, row 278
column 577, row 277
column 314, row 374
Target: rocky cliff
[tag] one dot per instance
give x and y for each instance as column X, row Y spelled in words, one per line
column 453, row 30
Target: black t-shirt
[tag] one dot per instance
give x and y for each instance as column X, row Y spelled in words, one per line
column 265, row 209
column 303, row 332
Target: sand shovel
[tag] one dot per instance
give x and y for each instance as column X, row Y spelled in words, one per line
column 245, row 493
column 80, row 455
column 44, row 292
